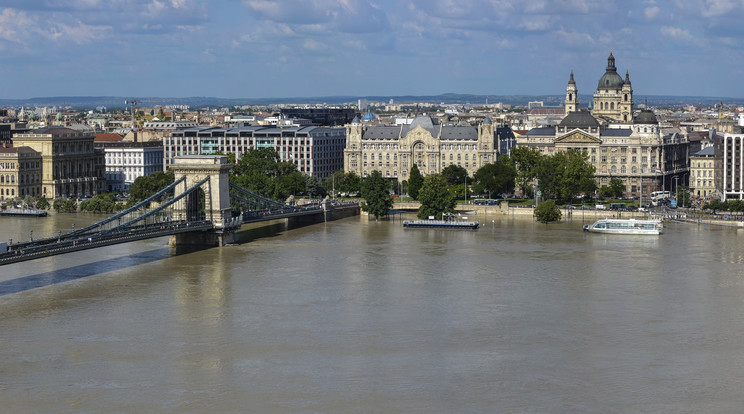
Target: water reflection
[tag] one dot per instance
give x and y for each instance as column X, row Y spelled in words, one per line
column 78, row 272
column 365, row 316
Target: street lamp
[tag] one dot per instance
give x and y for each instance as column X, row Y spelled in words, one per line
column 466, row 188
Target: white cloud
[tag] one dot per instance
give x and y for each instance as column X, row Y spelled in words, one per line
column 676, row 33
column 575, row 39
column 720, row 7
column 314, row 45
column 651, row 12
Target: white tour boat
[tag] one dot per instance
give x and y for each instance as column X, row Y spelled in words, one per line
column 626, row 226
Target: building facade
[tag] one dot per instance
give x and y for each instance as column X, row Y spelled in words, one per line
column 71, row 166
column 614, row 96
column 126, row 161
column 321, row 116
column 393, row 150
column 317, row 151
column 703, row 174
column 729, row 160
column 20, row 173
column 619, row 142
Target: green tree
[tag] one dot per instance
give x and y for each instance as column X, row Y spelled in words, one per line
column 352, row 183
column 495, row 178
column 334, row 182
column 262, row 172
column 256, row 171
column 683, row 193
column 64, row 205
column 435, row 197
column 454, row 174
column 547, row 212
column 715, row 204
column 415, row 181
column 288, row 184
column 230, row 157
column 526, row 161
column 312, row 185
column 566, row 174
column 578, row 174
column 617, row 187
column 42, row 203
column 605, row 192
column 375, row 191
column 102, row 203
column 735, row 205
column 145, row 186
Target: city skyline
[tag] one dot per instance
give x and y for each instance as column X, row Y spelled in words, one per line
column 262, row 49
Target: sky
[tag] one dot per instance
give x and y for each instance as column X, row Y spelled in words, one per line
column 306, row 48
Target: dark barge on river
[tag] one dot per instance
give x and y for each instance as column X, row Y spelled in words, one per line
column 448, row 222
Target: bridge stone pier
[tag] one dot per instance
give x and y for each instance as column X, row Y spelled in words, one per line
column 216, row 199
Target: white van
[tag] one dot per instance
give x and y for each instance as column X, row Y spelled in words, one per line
column 600, row 207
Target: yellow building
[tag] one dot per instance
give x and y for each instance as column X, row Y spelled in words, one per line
column 619, row 141
column 20, row 173
column 394, row 149
column 70, row 165
column 702, row 174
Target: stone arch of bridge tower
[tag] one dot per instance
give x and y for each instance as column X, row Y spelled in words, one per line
column 216, row 191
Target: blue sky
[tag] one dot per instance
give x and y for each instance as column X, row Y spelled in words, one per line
column 296, row 48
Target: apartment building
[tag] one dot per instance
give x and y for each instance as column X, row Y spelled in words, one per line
column 126, row 160
column 729, row 158
column 316, row 151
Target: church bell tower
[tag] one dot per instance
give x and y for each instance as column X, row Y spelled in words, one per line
column 572, row 96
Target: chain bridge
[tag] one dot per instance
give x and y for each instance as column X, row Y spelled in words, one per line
column 200, row 207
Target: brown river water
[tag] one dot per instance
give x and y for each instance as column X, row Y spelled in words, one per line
column 358, row 316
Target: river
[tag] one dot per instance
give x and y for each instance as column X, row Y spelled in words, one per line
column 358, row 316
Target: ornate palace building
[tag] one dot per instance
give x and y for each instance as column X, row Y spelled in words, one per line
column 432, row 146
column 70, row 166
column 619, row 141
column 20, row 173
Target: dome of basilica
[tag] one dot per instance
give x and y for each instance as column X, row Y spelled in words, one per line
column 610, row 79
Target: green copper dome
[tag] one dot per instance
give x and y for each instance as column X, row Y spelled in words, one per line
column 646, row 117
column 610, row 80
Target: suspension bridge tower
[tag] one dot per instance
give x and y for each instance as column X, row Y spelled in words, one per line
column 216, row 191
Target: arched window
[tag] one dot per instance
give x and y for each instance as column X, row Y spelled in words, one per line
column 626, row 97
column 612, row 106
column 570, row 96
column 613, row 170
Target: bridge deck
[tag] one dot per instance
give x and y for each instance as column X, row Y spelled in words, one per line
column 92, row 239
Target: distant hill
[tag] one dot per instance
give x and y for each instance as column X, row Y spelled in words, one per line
column 88, row 102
